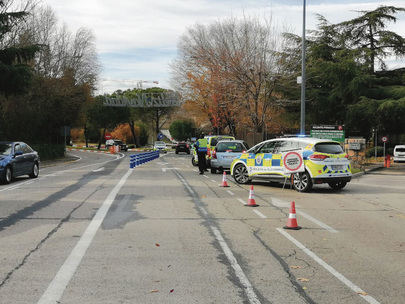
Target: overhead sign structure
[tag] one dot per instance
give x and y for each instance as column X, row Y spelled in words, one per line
column 145, row 100
column 293, row 162
column 332, row 132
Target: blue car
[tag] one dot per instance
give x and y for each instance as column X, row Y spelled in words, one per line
column 16, row 159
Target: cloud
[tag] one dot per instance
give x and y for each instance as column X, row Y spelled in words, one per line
column 138, row 39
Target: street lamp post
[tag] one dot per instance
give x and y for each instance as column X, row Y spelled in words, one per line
column 302, row 129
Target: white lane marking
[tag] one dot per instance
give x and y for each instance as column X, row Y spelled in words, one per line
column 278, row 203
column 329, row 268
column 204, row 176
column 165, row 169
column 58, row 285
column 234, row 263
column 99, row 169
column 213, row 181
column 282, row 204
column 241, row 201
column 259, row 213
column 250, row 293
column 319, row 223
column 230, row 192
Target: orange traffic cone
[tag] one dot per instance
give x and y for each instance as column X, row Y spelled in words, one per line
column 224, row 182
column 251, row 200
column 292, row 219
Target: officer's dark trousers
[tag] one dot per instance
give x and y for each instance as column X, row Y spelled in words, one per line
column 201, row 161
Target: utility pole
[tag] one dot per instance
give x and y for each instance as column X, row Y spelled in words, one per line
column 302, row 128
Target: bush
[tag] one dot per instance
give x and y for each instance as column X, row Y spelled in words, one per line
column 380, row 152
column 49, row 151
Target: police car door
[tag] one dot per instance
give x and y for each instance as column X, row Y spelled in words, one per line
column 262, row 164
column 272, row 157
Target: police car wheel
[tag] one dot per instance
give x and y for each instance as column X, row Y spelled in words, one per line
column 240, row 174
column 193, row 162
column 302, row 182
column 337, row 185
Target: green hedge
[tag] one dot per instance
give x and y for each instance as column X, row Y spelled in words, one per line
column 49, row 151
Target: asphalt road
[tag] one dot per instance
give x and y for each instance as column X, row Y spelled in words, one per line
column 93, row 231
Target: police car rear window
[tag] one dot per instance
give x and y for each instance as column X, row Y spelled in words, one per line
column 331, row 148
column 231, row 146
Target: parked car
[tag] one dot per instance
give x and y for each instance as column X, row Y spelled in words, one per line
column 225, row 152
column 16, row 159
column 323, row 161
column 182, row 147
column 212, row 141
column 116, row 142
column 160, row 146
column 399, row 153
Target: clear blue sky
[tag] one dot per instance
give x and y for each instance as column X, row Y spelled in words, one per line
column 136, row 40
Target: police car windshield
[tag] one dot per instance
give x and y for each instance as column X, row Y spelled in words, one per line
column 230, row 146
column 331, row 148
column 400, row 150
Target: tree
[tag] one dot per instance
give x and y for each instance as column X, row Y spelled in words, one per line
column 229, row 72
column 182, row 129
column 106, row 117
column 15, row 69
column 367, row 34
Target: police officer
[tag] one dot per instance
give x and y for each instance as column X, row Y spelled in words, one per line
column 201, row 147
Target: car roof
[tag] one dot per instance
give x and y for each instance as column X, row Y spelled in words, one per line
column 308, row 140
column 399, row 146
column 231, row 140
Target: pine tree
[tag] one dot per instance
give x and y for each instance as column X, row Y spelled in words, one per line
column 367, row 34
column 15, row 71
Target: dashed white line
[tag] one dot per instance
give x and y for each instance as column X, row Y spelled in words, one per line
column 282, row 204
column 319, row 223
column 214, row 181
column 204, row 176
column 58, row 285
column 241, row 201
column 329, row 268
column 230, row 192
column 259, row 213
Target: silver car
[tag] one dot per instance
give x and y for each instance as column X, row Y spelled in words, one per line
column 225, row 152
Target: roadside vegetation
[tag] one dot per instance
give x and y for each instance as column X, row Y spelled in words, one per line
column 239, row 76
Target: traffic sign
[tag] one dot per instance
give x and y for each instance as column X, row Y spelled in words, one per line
column 293, row 162
column 384, row 139
column 160, row 136
column 107, row 136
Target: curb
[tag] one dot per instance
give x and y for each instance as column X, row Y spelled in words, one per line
column 367, row 170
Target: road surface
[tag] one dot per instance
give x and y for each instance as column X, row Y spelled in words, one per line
column 93, row 231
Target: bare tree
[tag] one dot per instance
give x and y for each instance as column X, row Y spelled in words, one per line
column 62, row 51
column 238, row 62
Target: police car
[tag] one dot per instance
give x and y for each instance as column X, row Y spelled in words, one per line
column 303, row 161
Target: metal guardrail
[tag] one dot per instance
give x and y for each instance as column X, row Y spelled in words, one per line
column 145, row 100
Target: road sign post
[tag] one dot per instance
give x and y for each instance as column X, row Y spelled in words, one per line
column 384, row 139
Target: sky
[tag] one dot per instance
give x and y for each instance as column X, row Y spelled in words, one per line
column 137, row 39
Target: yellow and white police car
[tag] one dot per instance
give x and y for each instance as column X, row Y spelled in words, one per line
column 304, row 161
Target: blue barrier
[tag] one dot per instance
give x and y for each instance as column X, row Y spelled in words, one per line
column 136, row 160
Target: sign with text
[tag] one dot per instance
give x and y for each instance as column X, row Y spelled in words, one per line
column 332, row 132
column 293, row 162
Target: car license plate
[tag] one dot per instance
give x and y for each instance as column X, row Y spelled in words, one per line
column 337, row 167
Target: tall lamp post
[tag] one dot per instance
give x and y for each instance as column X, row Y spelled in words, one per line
column 302, row 128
